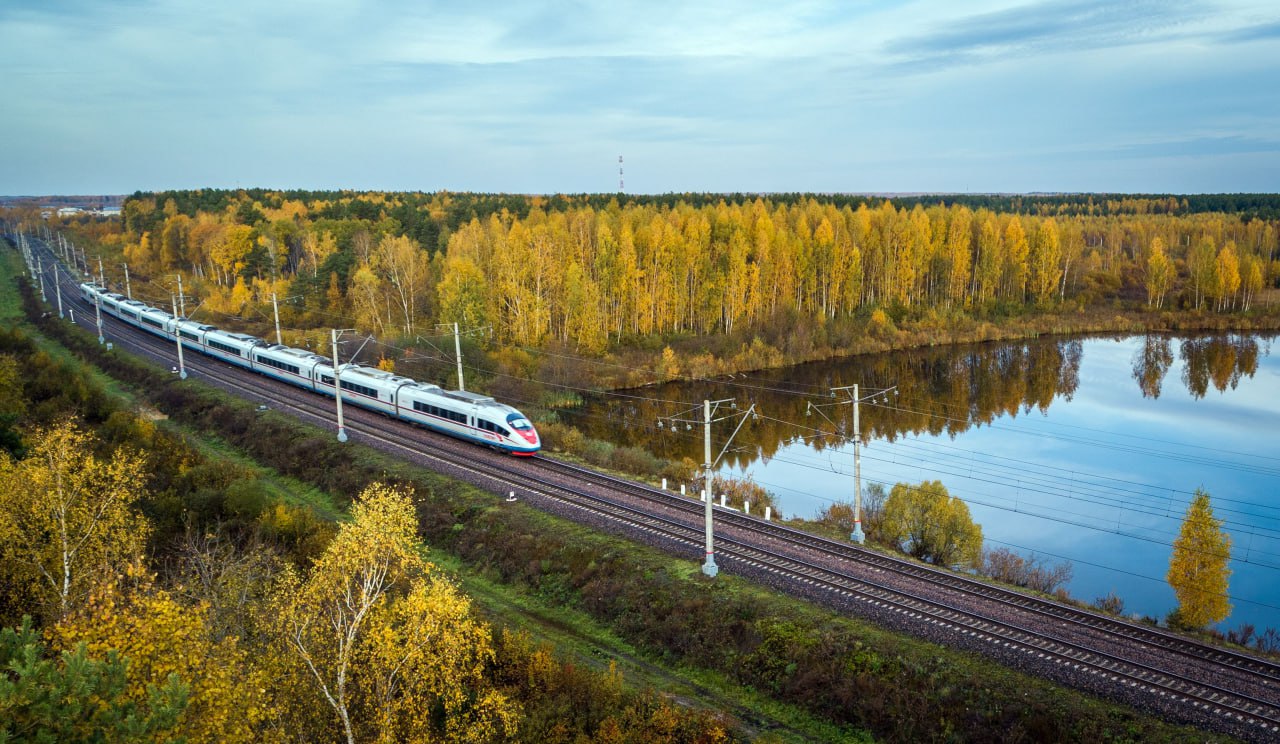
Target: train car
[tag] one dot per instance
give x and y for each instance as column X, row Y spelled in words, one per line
column 191, row 332
column 128, row 311
column 370, row 388
column 295, row 366
column 155, row 321
column 427, row 405
column 89, row 292
column 467, row 415
column 230, row 347
column 95, row 296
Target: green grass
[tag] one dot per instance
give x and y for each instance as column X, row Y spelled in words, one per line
column 579, row 636
column 10, row 302
column 279, row 486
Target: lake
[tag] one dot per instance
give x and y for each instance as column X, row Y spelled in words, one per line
column 1086, row 450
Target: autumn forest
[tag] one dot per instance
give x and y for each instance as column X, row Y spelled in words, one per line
column 592, row 275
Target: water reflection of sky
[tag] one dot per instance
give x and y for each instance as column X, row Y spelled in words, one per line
column 1102, row 479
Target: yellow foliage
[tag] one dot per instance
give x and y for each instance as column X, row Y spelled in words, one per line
column 669, row 366
column 426, row 652
column 240, row 298
column 218, row 300
column 68, row 515
column 927, row 522
column 881, row 325
column 161, row 637
column 383, row 642
column 1200, row 566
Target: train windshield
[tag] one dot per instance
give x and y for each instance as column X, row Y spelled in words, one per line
column 519, row 423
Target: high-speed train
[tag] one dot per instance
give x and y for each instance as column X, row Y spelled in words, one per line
column 459, row 413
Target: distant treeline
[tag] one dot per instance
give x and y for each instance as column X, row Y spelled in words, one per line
column 465, row 206
column 85, row 201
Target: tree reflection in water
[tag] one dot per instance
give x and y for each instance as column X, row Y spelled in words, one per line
column 1220, row 360
column 942, row 390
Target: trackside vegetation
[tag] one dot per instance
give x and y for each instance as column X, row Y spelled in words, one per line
column 846, row 672
column 185, row 626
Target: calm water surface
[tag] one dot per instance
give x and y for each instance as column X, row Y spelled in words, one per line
column 1085, row 450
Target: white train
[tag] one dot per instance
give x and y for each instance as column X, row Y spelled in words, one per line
column 466, row 415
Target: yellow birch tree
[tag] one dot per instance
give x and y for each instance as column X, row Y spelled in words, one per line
column 1199, row 568
column 68, row 515
column 1159, row 273
column 384, row 642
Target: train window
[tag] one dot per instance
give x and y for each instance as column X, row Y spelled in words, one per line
column 326, row 379
column 490, row 426
column 228, row 348
column 358, row 388
column 278, row 365
column 520, row 423
column 439, row 412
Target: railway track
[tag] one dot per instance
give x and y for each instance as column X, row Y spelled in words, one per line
column 1245, row 704
column 1265, row 671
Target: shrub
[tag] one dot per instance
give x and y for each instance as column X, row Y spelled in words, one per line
column 684, row 470
column 247, row 498
column 1031, row 572
column 738, row 490
column 635, row 460
column 881, row 326
column 597, row 452
column 926, row 522
column 1111, row 603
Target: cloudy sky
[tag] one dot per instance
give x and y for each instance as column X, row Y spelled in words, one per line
column 933, row 95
